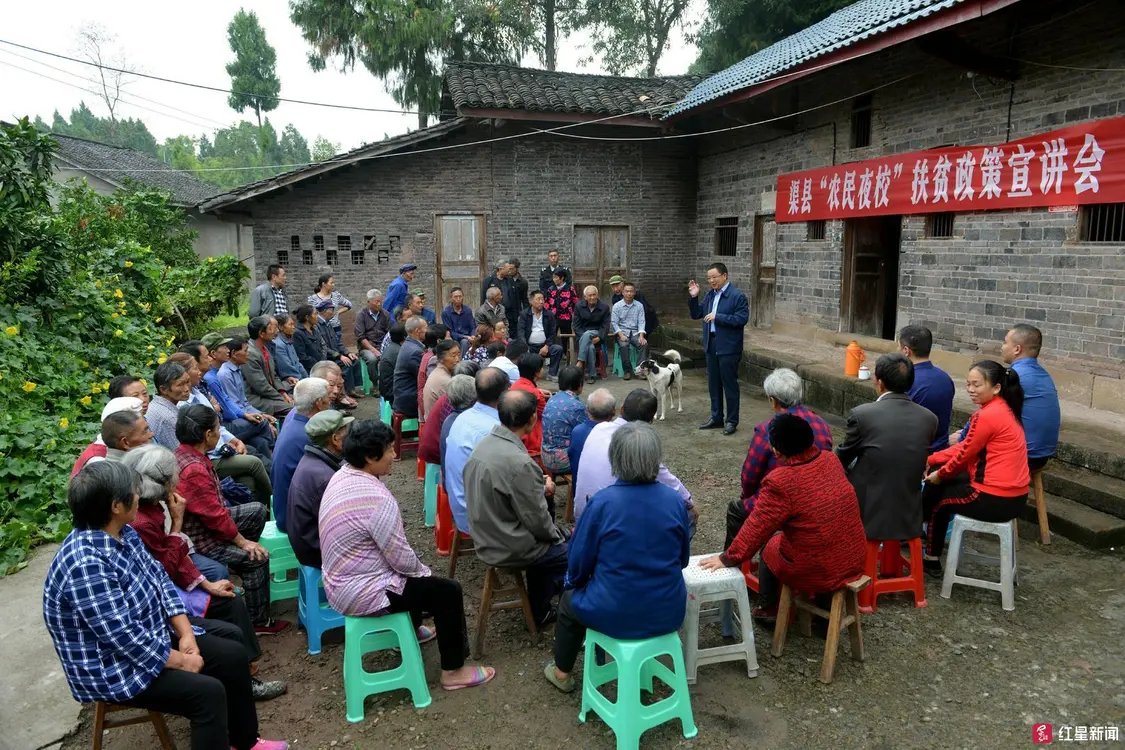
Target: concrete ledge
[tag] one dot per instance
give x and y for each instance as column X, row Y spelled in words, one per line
column 1108, row 394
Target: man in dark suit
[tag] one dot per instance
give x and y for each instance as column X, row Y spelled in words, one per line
column 538, row 328
column 546, row 275
column 885, row 453
column 725, row 312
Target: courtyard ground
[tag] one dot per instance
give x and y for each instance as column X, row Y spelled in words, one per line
column 960, row 673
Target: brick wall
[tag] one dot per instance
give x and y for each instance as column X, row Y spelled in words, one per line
column 1000, row 267
column 533, row 192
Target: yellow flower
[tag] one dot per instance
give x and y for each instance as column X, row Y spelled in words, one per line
column 118, row 293
column 159, row 319
column 95, row 388
column 64, row 423
column 28, row 386
column 162, row 358
column 85, row 363
column 210, row 260
column 51, row 443
column 85, row 400
column 105, row 386
column 143, row 382
column 12, row 331
column 128, row 264
column 149, row 348
column 114, row 316
column 97, row 285
column 1, row 376
column 149, row 363
column 118, row 332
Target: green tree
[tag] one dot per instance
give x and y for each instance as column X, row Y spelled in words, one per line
column 292, row 148
column 179, row 152
column 253, row 74
column 324, row 149
column 631, row 35
column 402, row 42
column 83, row 123
column 736, row 29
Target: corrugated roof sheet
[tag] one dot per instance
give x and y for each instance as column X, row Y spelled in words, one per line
column 863, row 20
column 117, row 164
column 499, row 86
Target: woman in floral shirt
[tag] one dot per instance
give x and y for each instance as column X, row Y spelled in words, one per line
column 561, row 300
column 479, row 353
column 326, row 289
column 563, row 413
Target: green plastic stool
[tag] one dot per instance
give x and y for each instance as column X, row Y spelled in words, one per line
column 429, row 494
column 362, row 635
column 282, row 560
column 385, row 411
column 618, row 370
column 634, row 666
column 366, row 377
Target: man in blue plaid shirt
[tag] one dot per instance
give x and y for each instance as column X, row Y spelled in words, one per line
column 122, row 632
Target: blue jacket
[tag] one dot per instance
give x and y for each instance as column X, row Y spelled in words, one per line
column 287, row 452
column 405, row 389
column 211, row 378
column 286, row 360
column 461, row 326
column 429, row 315
column 396, row 296
column 731, row 317
column 577, row 442
column 1041, row 415
column 626, row 567
column 933, row 389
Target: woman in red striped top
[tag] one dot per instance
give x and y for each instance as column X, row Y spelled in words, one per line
column 985, row 475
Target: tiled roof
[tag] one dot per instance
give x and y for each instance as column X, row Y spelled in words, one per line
column 498, row 86
column 119, row 165
column 367, row 151
column 845, row 27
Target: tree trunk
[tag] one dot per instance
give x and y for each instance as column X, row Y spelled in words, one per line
column 549, row 32
column 261, row 143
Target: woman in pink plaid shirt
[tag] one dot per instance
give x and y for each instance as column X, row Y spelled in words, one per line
column 369, row 567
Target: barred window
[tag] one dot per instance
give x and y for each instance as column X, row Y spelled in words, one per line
column 282, row 257
column 726, row 236
column 816, row 230
column 1103, row 222
column 861, row 122
column 940, row 225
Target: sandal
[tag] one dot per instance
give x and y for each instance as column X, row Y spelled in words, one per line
column 425, row 634
column 480, row 676
column 566, row 686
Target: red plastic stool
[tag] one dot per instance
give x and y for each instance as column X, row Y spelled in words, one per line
column 400, row 443
column 599, row 362
column 421, row 470
column 891, row 564
column 749, row 572
column 444, row 528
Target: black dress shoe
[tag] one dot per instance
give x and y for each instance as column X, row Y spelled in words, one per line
column 710, row 425
column 729, row 429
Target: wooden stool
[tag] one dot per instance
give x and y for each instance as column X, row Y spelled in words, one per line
column 461, row 546
column 565, row 480
column 102, row 723
column 1040, row 506
column 494, row 600
column 837, row 621
column 570, row 346
column 401, row 423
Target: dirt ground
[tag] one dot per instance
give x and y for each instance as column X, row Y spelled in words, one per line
column 960, row 673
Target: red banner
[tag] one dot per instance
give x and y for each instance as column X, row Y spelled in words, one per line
column 1074, row 165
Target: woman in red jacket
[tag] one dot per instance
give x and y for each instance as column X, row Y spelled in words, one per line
column 807, row 497
column 985, row 475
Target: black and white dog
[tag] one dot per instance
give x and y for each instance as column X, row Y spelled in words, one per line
column 665, row 382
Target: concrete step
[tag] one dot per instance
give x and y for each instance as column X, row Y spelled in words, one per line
column 1092, row 489
column 1076, row 522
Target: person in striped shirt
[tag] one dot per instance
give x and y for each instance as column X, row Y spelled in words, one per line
column 369, row 567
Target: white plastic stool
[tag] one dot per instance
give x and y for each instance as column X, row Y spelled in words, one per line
column 706, row 586
column 1007, row 560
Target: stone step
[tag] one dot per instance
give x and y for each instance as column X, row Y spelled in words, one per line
column 1093, row 489
column 1076, row 522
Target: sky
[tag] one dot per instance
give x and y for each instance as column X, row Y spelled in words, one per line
column 191, row 45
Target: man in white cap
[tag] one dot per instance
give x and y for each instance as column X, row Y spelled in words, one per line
column 124, row 425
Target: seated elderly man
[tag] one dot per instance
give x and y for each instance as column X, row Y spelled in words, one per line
column 122, row 632
column 409, row 361
column 371, row 325
column 808, row 499
column 264, row 387
column 508, row 508
column 601, row 406
column 249, row 423
column 335, row 351
column 625, row 579
column 311, row 397
column 124, row 386
column 463, row 437
column 492, row 311
column 596, row 473
column 127, row 427
column 784, row 390
column 323, row 455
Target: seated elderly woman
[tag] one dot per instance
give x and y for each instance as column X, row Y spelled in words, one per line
column 160, row 518
column 227, row 535
column 564, row 412
column 479, row 352
column 122, row 632
column 808, row 498
column 453, row 401
column 784, row 390
column 624, row 578
column 960, row 480
column 369, row 567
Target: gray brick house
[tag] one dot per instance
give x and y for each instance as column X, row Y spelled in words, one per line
column 661, row 177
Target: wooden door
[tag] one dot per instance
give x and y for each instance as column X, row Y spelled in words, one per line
column 599, row 252
column 765, row 271
column 460, row 257
column 870, row 294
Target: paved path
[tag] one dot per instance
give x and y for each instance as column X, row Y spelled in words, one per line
column 36, row 708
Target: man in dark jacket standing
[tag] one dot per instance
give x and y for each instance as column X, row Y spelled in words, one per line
column 725, row 312
column 326, row 431
column 885, row 450
column 406, row 369
column 546, row 275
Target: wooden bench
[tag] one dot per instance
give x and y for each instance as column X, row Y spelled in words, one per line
column 847, row 597
column 497, row 598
